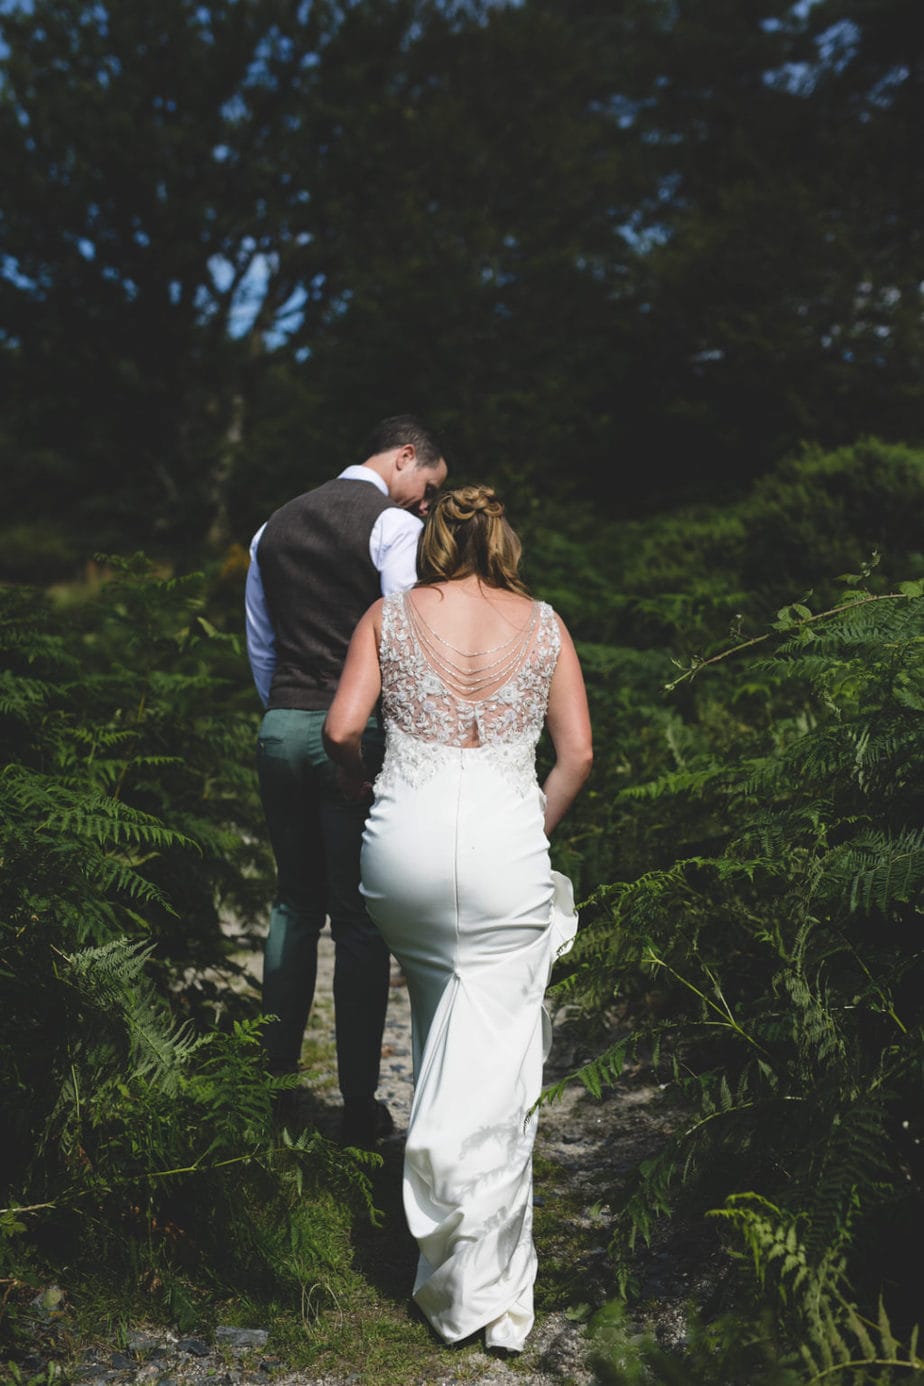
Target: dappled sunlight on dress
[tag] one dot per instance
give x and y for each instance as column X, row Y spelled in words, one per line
column 456, row 874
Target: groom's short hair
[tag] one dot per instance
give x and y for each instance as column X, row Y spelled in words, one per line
column 399, row 429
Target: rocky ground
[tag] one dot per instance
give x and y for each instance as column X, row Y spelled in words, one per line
column 584, row 1149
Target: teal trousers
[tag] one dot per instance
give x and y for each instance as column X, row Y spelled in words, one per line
column 316, row 836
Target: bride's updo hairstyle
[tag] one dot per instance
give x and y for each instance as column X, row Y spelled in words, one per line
column 466, row 533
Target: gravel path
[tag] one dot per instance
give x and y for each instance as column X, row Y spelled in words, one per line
column 573, row 1134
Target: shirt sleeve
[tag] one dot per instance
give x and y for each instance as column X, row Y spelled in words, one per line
column 261, row 641
column 393, row 549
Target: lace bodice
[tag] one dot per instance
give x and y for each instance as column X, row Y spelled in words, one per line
column 425, row 721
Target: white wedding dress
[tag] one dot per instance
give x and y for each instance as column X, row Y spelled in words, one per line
column 456, row 874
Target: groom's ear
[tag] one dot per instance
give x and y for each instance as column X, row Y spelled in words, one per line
column 406, row 456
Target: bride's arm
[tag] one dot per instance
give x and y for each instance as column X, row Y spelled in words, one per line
column 357, row 694
column 568, row 724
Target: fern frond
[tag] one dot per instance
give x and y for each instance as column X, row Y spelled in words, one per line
column 878, row 870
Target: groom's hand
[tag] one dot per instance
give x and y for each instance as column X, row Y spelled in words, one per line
column 356, row 788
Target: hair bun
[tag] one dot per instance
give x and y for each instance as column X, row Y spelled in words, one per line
column 467, row 501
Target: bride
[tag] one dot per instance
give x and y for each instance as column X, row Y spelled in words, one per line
column 456, row 874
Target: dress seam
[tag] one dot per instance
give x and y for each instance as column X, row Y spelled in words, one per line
column 455, row 867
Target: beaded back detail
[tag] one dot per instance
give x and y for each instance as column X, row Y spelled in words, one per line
column 425, row 720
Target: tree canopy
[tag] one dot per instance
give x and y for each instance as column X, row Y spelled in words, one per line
column 633, row 253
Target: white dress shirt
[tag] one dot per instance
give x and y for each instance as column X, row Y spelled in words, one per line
column 392, row 548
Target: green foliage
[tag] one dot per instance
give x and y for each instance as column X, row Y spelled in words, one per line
column 127, row 752
column 139, row 1131
column 758, row 945
column 724, row 1352
column 650, row 601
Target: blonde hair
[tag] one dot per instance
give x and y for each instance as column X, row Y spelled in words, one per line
column 466, row 533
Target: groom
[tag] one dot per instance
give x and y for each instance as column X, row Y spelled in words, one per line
column 316, row 565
